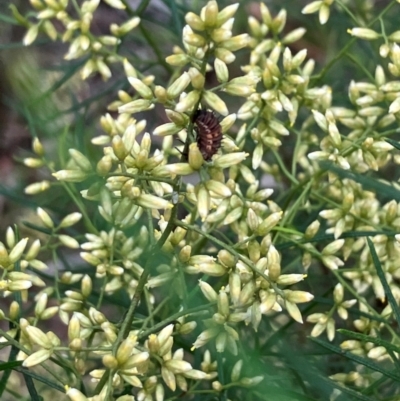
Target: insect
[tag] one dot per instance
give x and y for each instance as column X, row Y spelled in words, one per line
column 209, row 134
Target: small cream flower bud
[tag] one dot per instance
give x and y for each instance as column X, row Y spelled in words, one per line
column 178, row 86
column 270, row 222
column 38, row 337
column 221, row 70
column 184, row 254
column 312, row 229
column 37, row 187
column 70, row 175
column 236, row 43
column 136, row 106
column 215, row 102
column 142, row 89
column 226, row 161
column 177, row 60
column 208, row 291
column 188, row 101
column 194, row 21
column 364, row 33
column 197, row 78
column 153, row 202
column 211, row 14
column 227, row 13
column 227, row 122
column 298, row 297
column 247, row 292
column 68, row 241
column 119, row 148
column 14, row 311
column 224, row 55
column 196, row 159
column 226, row 258
column 80, row 159
column 110, row 362
column 17, row 250
column 293, row 36
column 37, row 357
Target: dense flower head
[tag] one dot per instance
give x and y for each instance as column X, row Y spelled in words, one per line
column 206, row 201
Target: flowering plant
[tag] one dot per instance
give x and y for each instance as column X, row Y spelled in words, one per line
column 225, row 199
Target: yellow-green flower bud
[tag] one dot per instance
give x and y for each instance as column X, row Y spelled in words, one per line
column 179, row 119
column 274, row 270
column 247, row 293
column 110, row 362
column 68, row 241
column 153, row 202
column 197, row 78
column 37, row 147
column 215, row 102
column 184, row 254
column 142, row 89
column 312, row 229
column 196, row 159
column 226, row 258
column 236, row 43
column 187, row 102
column 37, row 357
column 129, row 69
column 104, row 165
column 227, row 122
column 212, row 269
column 221, row 70
column 224, row 55
column 119, row 148
column 31, row 35
column 193, row 39
column 220, row 35
column 166, row 129
column 37, row 187
column 194, row 21
column 177, row 60
column 223, row 303
column 32, row 162
column 232, row 159
column 38, row 337
column 70, row 175
column 178, row 86
column 211, row 14
column 253, row 247
column 279, row 22
column 364, row 33
column 187, row 328
column 14, row 311
column 136, row 106
column 227, row 13
column 208, row 291
column 270, row 222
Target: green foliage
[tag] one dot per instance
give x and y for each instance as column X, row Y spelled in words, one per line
column 174, row 254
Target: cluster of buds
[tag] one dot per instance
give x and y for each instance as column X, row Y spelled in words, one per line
column 320, row 7
column 115, row 255
column 325, row 321
column 286, row 85
column 76, row 31
column 15, row 253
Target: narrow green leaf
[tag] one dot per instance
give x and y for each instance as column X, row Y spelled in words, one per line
column 355, row 358
column 370, row 339
column 393, row 143
column 10, row 365
column 368, row 183
column 348, row 391
column 41, row 379
column 386, row 287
